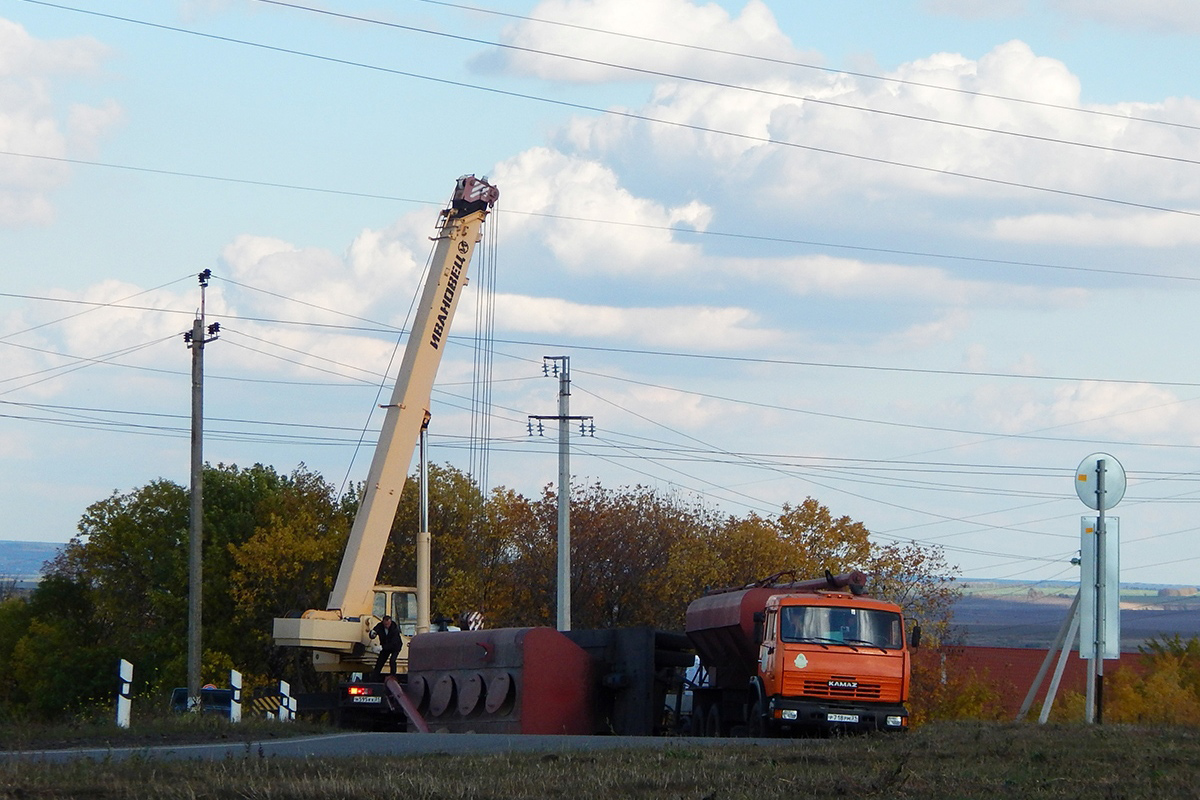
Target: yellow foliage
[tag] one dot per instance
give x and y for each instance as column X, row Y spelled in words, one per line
column 942, row 692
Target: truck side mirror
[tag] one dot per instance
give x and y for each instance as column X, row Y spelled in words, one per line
column 914, row 639
column 759, row 618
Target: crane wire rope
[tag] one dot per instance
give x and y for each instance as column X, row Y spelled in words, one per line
column 484, row 354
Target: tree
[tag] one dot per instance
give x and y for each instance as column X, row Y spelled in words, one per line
column 120, row 587
column 467, row 549
column 55, row 662
column 130, row 560
column 622, row 546
column 818, row 542
column 286, row 565
column 919, row 580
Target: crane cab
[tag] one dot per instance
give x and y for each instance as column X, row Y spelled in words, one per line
column 398, row 602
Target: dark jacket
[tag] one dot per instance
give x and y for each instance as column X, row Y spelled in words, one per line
column 389, row 638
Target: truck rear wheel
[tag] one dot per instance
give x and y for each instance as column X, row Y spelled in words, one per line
column 712, row 724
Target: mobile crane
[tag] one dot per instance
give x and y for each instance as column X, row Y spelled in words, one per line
column 339, row 634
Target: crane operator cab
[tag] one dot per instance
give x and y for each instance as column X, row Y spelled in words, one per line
column 398, row 602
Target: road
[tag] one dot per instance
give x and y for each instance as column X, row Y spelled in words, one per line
column 342, row 745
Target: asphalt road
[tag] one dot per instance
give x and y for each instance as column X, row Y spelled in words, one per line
column 341, row 745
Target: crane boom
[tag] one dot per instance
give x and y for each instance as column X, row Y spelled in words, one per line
column 341, row 629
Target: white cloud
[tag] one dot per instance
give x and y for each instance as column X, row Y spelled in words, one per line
column 936, row 331
column 1137, row 411
column 813, row 164
column 1141, row 229
column 830, row 276
column 688, row 327
column 1162, row 16
column 571, row 190
column 685, row 410
column 31, row 121
column 1106, row 411
column 378, row 266
column 976, row 9
column 652, row 25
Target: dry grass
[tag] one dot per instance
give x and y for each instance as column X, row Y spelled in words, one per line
column 147, row 732
column 938, row 761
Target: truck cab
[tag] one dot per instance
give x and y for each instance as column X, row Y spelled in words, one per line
column 830, row 659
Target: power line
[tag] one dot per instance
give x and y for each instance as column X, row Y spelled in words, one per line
column 724, row 85
column 674, row 229
column 383, row 327
column 640, row 117
column 816, row 67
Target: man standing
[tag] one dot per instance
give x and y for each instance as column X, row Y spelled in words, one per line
column 390, row 642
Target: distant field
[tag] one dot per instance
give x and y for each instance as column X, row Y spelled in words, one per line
column 996, row 619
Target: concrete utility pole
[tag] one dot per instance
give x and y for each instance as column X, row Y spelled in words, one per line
column 196, row 338
column 424, row 538
column 560, row 366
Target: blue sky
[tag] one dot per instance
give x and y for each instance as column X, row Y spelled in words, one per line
column 922, row 307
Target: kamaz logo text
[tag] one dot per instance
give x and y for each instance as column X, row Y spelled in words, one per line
column 460, row 262
column 843, row 684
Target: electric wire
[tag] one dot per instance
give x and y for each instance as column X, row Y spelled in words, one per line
column 724, row 85
column 816, row 67
column 638, row 117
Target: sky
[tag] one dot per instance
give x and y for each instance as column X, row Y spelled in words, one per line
column 917, row 260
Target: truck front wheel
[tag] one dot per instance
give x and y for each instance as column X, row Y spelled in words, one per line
column 756, row 725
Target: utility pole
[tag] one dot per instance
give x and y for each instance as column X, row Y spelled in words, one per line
column 424, row 538
column 560, row 367
column 196, row 338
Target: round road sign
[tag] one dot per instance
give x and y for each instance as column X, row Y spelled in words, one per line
column 1114, row 480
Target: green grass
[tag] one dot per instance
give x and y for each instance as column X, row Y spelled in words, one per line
column 961, row 760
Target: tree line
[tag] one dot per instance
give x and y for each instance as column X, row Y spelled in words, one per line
column 273, row 543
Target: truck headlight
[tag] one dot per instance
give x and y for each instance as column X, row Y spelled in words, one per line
column 895, row 722
column 788, row 713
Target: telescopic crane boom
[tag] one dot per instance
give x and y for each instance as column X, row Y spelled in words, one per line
column 338, row 634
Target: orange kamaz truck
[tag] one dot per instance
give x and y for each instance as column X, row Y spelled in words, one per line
column 782, row 657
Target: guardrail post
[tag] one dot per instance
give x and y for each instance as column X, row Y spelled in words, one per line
column 286, row 710
column 124, row 693
column 235, row 702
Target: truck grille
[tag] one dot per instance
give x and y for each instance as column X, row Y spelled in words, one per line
column 844, row 687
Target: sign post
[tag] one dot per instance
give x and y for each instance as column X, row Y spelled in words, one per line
column 1100, row 484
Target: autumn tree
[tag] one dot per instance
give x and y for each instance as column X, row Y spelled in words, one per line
column 918, row 579
column 627, row 554
column 527, row 593
column 130, row 560
column 1164, row 690
column 629, row 550
column 286, row 565
column 54, row 664
column 469, row 551
column 119, row 589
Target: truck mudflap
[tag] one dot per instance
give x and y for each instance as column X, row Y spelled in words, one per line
column 791, row 714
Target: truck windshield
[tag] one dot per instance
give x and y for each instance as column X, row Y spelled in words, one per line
column 839, row 625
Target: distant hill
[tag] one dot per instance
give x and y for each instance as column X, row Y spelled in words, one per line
column 23, row 561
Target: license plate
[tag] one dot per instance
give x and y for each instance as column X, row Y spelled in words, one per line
column 842, row 717
column 375, row 700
